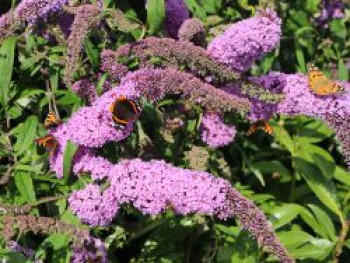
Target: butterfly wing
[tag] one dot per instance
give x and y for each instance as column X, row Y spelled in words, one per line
column 52, row 120
column 321, row 85
column 260, row 124
column 124, row 111
column 48, row 141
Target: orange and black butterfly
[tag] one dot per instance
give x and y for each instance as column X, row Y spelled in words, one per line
column 52, row 120
column 48, row 141
column 124, row 111
column 262, row 125
column 320, row 84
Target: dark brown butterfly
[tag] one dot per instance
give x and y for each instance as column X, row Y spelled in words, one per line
column 124, row 111
column 52, row 120
column 262, row 125
column 48, row 141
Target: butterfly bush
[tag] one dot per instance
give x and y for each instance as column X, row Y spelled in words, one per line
column 153, row 187
column 193, row 30
column 85, row 18
column 331, row 9
column 27, row 252
column 215, row 132
column 94, row 250
column 176, row 13
column 248, row 40
column 334, row 110
column 165, row 52
column 33, row 10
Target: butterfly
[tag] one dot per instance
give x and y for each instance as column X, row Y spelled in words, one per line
column 124, row 111
column 260, row 124
column 48, row 141
column 52, row 120
column 320, row 84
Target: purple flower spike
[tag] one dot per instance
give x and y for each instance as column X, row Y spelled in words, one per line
column 176, row 14
column 331, row 9
column 85, row 89
column 247, row 40
column 215, row 132
column 94, row 207
column 56, row 159
column 153, row 187
column 334, row 110
column 93, row 251
column 33, row 10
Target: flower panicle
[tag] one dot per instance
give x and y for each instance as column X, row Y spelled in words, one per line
column 154, row 187
column 178, row 54
column 154, row 84
column 193, row 30
column 41, row 225
column 109, row 64
column 248, row 40
column 86, row 17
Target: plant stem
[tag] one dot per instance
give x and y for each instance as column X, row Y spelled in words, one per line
column 341, row 240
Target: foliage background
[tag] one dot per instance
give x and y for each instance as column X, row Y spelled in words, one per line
column 296, row 176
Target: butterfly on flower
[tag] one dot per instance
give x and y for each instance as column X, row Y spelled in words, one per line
column 320, row 84
column 48, row 141
column 262, row 125
column 124, row 111
column 52, row 120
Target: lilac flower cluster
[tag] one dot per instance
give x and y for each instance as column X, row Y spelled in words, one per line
column 86, row 17
column 110, row 65
column 93, row 250
column 33, row 10
column 334, row 110
column 176, row 14
column 163, row 52
column 153, row 187
column 215, row 132
column 193, row 30
column 27, row 252
column 331, row 9
column 245, row 41
column 85, row 89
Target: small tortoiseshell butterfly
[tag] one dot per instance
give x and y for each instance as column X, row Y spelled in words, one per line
column 48, row 141
column 262, row 125
column 52, row 120
column 320, row 84
column 124, row 110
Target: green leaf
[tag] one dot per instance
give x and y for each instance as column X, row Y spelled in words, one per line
column 343, row 72
column 284, row 138
column 319, row 249
column 68, row 156
column 300, row 57
column 93, row 54
column 12, row 257
column 271, row 167
column 245, row 249
column 310, row 219
column 196, row 9
column 285, row 214
column 294, row 238
column 155, row 15
column 324, row 189
column 60, row 244
column 100, row 83
column 7, row 51
column 26, row 135
column 24, row 184
column 342, row 175
column 321, row 158
column 325, row 222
